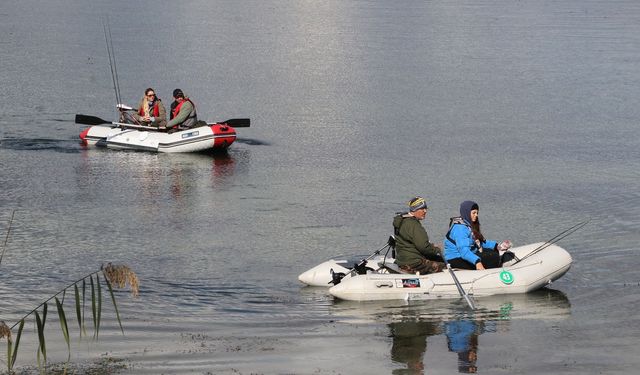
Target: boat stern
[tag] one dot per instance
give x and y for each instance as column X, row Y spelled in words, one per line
column 96, row 135
column 83, row 136
column 224, row 135
column 320, row 275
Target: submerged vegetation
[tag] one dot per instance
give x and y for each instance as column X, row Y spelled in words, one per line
column 88, row 288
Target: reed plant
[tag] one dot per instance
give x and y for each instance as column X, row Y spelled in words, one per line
column 88, row 286
column 114, row 276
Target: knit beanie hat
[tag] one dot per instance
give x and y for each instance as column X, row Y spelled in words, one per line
column 417, row 203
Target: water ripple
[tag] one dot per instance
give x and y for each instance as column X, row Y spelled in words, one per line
column 40, row 144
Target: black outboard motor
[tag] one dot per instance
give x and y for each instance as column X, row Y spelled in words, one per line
column 361, row 268
column 336, row 277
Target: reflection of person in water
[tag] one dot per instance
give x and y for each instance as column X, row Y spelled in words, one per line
column 410, row 344
column 409, row 347
column 462, row 338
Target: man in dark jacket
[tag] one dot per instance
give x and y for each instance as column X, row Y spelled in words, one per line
column 414, row 252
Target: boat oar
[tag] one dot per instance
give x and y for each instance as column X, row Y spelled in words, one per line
column 460, row 289
column 93, row 120
column 237, row 122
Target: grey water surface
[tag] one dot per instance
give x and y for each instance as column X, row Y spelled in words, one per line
column 529, row 108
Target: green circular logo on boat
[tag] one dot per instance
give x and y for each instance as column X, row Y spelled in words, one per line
column 506, row 277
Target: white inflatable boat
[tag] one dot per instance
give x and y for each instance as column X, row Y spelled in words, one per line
column 118, row 135
column 536, row 265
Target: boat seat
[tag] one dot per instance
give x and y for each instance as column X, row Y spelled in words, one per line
column 392, row 268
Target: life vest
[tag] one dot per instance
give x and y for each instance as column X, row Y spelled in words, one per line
column 156, row 109
column 191, row 119
column 452, row 222
column 461, row 221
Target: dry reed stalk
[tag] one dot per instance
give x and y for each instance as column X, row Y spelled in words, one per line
column 120, row 276
column 4, row 330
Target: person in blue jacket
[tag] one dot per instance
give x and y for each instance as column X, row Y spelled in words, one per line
column 464, row 245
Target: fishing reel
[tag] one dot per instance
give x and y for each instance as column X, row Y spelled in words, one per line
column 361, row 267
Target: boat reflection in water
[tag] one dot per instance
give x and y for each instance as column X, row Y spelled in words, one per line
column 410, row 324
column 157, row 176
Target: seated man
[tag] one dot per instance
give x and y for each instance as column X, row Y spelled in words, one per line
column 414, row 252
column 183, row 112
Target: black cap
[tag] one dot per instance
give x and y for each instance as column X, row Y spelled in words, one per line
column 177, row 93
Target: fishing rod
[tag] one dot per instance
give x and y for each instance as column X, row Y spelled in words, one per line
column 112, row 59
column 360, row 267
column 4, row 246
column 555, row 239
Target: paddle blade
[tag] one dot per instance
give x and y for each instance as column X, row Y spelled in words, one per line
column 90, row 120
column 238, row 122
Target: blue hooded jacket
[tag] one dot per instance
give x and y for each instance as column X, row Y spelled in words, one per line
column 463, row 245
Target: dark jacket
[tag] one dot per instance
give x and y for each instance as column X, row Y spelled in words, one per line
column 412, row 242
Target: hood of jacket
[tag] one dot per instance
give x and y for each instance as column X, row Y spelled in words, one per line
column 465, row 210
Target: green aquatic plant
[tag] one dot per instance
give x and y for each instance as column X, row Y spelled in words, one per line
column 118, row 276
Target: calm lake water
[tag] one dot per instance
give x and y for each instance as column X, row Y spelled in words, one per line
column 529, row 108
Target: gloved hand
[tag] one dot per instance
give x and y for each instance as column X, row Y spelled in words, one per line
column 504, row 245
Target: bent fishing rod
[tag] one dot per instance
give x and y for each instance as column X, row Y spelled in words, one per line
column 555, row 239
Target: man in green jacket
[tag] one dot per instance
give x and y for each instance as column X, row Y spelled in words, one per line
column 183, row 112
column 414, row 252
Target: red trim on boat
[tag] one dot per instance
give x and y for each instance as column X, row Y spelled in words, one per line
column 83, row 135
column 224, row 134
